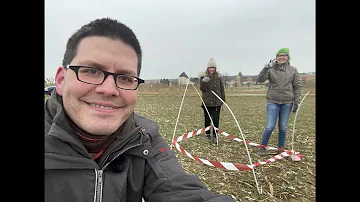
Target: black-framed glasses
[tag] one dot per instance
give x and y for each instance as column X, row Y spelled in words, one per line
column 91, row 75
column 282, row 55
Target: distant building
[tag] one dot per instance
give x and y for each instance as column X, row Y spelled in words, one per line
column 236, row 81
column 183, row 79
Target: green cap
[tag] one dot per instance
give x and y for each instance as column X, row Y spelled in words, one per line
column 284, row 50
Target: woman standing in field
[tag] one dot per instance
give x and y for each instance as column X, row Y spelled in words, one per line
column 284, row 94
column 210, row 80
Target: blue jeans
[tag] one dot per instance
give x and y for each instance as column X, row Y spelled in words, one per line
column 276, row 112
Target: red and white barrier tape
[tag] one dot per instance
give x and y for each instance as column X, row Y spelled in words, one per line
column 228, row 165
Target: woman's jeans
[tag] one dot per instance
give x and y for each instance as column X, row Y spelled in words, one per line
column 276, row 112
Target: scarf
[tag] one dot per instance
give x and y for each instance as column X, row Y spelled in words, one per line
column 93, row 143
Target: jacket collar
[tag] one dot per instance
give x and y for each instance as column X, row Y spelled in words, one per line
column 285, row 66
column 57, row 127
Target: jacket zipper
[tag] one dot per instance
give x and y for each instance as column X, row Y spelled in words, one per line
column 99, row 173
column 283, row 88
column 98, row 185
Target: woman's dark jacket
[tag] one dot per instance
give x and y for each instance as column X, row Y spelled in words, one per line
column 216, row 85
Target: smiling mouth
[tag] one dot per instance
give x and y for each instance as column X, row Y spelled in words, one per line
column 100, row 106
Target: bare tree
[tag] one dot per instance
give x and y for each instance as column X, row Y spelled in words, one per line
column 239, row 80
column 225, row 78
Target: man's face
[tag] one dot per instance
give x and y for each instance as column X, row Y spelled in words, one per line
column 99, row 109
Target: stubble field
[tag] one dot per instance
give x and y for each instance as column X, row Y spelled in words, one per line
column 281, row 180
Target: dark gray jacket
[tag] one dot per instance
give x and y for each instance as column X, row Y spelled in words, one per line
column 141, row 166
column 284, row 85
column 216, row 85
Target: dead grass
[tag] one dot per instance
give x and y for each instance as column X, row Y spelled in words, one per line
column 282, row 180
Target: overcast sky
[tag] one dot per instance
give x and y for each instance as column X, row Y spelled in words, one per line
column 182, row 35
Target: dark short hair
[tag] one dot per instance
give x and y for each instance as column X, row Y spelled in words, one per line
column 105, row 27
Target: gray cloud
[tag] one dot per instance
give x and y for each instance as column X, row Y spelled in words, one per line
column 179, row 36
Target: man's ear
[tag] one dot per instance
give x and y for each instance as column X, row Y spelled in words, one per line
column 59, row 79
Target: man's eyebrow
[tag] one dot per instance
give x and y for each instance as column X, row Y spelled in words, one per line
column 92, row 64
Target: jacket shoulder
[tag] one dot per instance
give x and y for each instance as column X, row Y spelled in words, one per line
column 149, row 125
column 293, row 67
column 202, row 74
